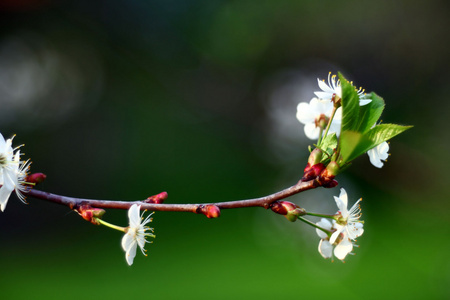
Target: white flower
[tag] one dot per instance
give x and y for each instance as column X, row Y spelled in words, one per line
column 379, row 153
column 348, row 221
column 345, row 229
column 310, row 115
column 334, row 88
column 341, row 247
column 136, row 233
column 12, row 173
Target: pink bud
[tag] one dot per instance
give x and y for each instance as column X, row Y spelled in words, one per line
column 90, row 214
column 158, row 198
column 35, row 178
column 312, row 172
column 290, row 210
column 326, row 176
column 210, row 211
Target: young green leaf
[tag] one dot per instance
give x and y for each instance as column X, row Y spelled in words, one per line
column 354, row 144
column 350, row 105
column 328, row 144
column 370, row 113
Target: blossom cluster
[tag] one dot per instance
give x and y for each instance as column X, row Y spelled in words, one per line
column 339, row 235
column 13, row 172
column 316, row 115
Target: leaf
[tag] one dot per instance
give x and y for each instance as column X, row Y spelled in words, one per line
column 354, row 143
column 384, row 132
column 328, row 144
column 370, row 113
column 349, row 140
column 350, row 105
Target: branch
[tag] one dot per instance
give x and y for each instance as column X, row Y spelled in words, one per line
column 266, row 201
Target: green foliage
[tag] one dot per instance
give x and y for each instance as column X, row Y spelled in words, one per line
column 357, row 134
column 350, row 105
column 328, row 145
column 370, row 113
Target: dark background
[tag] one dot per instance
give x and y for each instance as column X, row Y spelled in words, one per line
column 124, row 99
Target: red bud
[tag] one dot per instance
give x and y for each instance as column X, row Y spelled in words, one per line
column 90, row 214
column 158, row 198
column 210, row 211
column 35, row 178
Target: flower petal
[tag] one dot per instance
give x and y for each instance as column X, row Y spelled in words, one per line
column 311, row 131
column 325, row 248
column 354, row 230
column 335, row 235
column 325, row 224
column 134, row 216
column 344, row 248
column 5, row 192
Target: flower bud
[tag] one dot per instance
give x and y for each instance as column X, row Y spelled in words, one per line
column 90, row 214
column 210, row 211
column 158, row 198
column 314, row 167
column 35, row 178
column 290, row 210
column 315, row 157
column 326, row 178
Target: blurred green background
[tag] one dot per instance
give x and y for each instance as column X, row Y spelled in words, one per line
column 125, row 99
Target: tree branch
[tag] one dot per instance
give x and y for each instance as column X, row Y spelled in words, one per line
column 74, row 203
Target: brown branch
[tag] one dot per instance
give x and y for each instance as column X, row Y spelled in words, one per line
column 74, row 203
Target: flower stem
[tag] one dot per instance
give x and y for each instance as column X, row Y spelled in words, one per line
column 320, row 136
column 320, row 215
column 333, row 112
column 314, row 225
column 123, row 229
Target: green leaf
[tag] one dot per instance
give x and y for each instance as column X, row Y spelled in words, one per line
column 384, row 132
column 354, row 143
column 370, row 113
column 350, row 105
column 349, row 141
column 328, row 144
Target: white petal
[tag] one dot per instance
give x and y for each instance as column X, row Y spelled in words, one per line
column 304, row 113
column 325, row 248
column 374, row 158
column 323, row 95
column 363, row 102
column 4, row 196
column 134, row 216
column 354, row 230
column 344, row 248
column 311, row 131
column 383, row 149
column 129, row 246
column 335, row 235
column 343, row 196
column 325, row 224
column 127, row 240
column 131, row 254
column 324, row 87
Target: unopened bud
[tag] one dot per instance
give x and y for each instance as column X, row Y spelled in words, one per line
column 314, row 167
column 315, row 157
column 326, row 177
column 157, row 199
column 211, row 211
column 90, row 214
column 35, row 178
column 312, row 172
column 290, row 210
